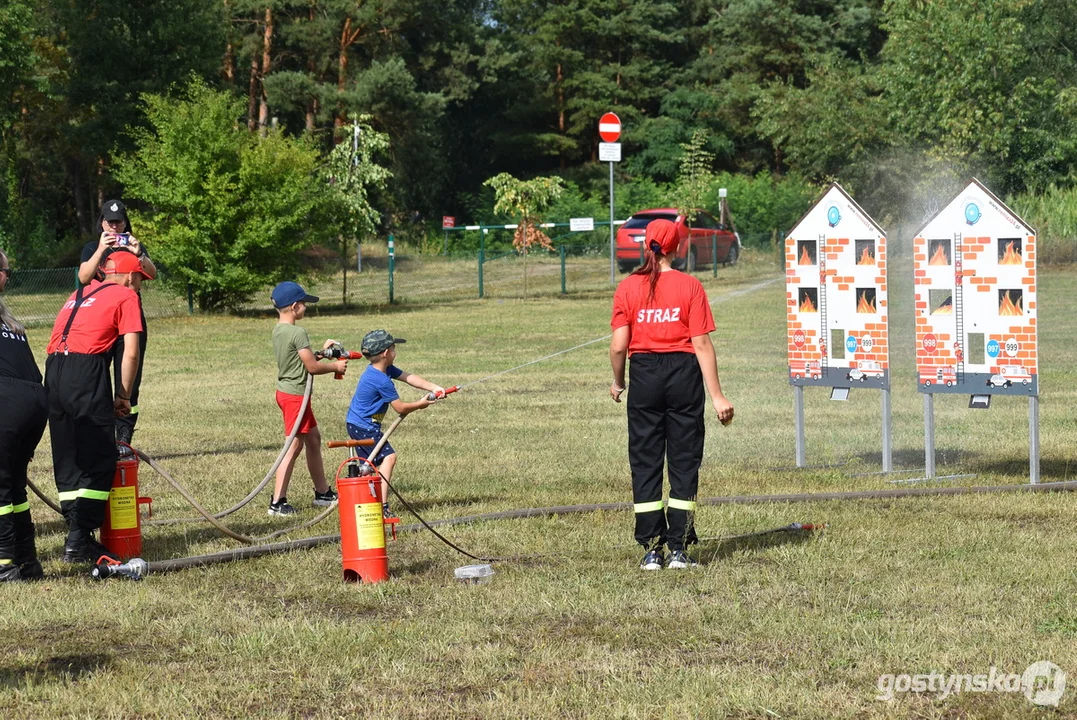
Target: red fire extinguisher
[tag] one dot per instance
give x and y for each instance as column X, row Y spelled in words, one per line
column 122, row 531
column 362, row 527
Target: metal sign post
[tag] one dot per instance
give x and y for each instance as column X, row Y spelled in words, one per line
column 929, row 436
column 609, row 129
column 798, row 409
column 613, row 234
column 888, row 454
column 1034, row 440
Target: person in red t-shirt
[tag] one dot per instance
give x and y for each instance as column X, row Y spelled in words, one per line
column 662, row 320
column 82, row 405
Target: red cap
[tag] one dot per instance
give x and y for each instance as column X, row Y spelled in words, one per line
column 665, row 234
column 122, row 262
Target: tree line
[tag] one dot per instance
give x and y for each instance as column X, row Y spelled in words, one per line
column 900, row 100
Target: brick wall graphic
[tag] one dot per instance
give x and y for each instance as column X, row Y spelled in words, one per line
column 836, row 300
column 975, row 295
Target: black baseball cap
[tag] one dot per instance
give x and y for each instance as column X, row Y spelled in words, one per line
column 114, row 210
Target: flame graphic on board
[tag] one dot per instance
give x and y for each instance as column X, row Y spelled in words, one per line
column 1011, row 256
column 866, row 258
column 1007, row 308
column 805, row 258
column 940, row 257
column 807, row 305
column 864, row 305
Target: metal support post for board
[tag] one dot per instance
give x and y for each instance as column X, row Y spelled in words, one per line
column 929, row 435
column 888, row 455
column 714, row 256
column 392, row 264
column 613, row 234
column 445, row 244
column 1034, row 440
column 798, row 398
column 358, row 256
column 482, row 257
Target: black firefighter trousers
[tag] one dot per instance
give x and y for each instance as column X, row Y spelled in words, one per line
column 81, row 425
column 22, row 423
column 665, row 427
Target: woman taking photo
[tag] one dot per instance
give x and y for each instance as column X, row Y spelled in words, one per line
column 115, row 229
column 662, row 322
column 22, row 422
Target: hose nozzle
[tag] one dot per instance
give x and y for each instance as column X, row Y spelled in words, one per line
column 336, row 351
column 443, row 393
column 133, row 569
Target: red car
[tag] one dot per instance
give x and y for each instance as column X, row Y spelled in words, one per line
column 696, row 246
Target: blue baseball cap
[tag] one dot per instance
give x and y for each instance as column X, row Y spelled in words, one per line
column 289, row 293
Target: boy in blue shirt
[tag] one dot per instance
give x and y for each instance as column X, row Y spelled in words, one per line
column 374, row 394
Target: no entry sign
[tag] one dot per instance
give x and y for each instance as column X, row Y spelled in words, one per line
column 609, row 127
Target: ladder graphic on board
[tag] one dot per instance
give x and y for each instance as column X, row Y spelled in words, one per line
column 823, row 330
column 959, row 312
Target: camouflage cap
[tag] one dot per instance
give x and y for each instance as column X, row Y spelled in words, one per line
column 376, row 342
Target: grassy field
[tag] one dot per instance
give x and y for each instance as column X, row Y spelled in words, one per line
column 778, row 626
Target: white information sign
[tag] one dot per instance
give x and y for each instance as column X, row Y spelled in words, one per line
column 836, row 297
column 581, row 224
column 975, row 293
column 609, row 152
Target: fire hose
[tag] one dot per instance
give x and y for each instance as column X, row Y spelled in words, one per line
column 336, row 351
column 224, row 513
column 163, row 566
column 246, row 539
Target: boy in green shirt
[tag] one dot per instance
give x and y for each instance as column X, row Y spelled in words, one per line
column 295, row 362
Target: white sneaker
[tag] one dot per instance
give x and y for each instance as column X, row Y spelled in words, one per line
column 282, row 507
column 653, row 560
column 679, row 560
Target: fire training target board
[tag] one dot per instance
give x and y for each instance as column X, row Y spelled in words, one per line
column 835, row 275
column 975, row 280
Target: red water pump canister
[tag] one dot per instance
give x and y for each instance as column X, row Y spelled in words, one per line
column 362, row 529
column 122, row 531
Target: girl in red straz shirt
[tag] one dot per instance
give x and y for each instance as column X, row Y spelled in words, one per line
column 662, row 320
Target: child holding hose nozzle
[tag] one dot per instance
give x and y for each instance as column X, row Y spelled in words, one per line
column 295, row 361
column 374, row 394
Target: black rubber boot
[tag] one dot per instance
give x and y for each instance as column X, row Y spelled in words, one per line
column 25, row 554
column 32, row 571
column 9, row 573
column 82, row 547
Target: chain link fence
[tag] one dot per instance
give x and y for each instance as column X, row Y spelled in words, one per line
column 36, row 296
column 576, row 265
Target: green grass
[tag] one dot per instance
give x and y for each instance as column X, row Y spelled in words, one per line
column 778, row 626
